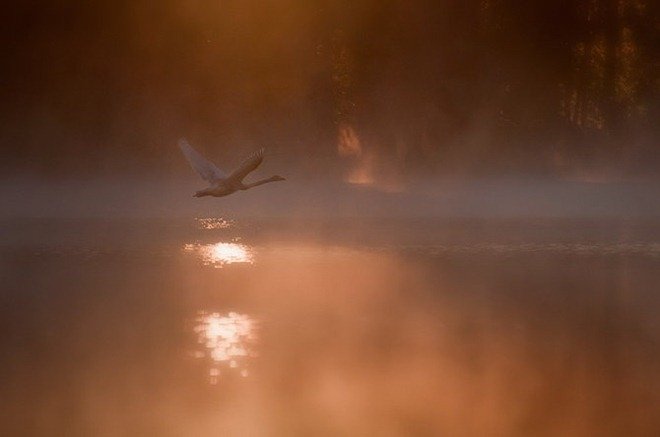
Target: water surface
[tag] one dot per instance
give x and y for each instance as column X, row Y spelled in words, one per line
column 347, row 327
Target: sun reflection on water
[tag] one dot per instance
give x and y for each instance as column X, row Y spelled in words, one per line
column 219, row 254
column 214, row 223
column 228, row 341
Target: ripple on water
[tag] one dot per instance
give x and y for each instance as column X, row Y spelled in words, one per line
column 227, row 341
column 222, row 253
column 214, row 223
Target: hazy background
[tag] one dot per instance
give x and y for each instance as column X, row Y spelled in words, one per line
column 533, row 100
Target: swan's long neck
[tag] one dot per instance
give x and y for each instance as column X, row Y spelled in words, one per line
column 263, row 181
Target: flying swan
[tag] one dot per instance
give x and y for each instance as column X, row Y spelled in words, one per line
column 223, row 184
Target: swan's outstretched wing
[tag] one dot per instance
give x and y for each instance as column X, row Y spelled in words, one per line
column 249, row 165
column 206, row 169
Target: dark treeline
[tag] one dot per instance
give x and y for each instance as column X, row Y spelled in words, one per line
column 493, row 86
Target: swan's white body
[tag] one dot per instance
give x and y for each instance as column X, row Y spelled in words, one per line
column 222, row 184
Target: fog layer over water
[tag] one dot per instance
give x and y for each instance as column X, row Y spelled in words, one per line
column 329, row 327
column 304, row 197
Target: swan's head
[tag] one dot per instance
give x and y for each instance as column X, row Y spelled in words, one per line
column 277, row 178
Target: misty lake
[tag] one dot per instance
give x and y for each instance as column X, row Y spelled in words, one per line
column 218, row 326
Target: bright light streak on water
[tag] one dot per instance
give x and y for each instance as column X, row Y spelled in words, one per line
column 220, row 254
column 228, row 342
column 214, row 223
